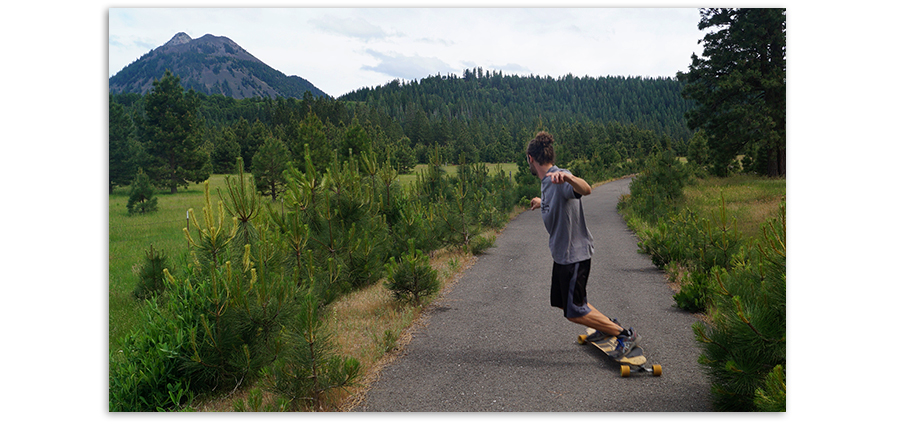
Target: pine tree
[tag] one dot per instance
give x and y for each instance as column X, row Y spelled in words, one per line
column 124, row 150
column 170, row 132
column 269, row 164
column 747, row 339
column 225, row 152
column 242, row 202
column 740, row 85
column 141, row 198
column 412, row 279
column 151, row 279
column 309, row 370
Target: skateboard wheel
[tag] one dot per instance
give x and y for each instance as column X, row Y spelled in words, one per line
column 657, row 370
column 582, row 339
column 626, row 370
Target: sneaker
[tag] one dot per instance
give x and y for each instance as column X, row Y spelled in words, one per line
column 597, row 336
column 626, row 342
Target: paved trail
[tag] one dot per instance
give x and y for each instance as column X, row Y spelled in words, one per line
column 494, row 343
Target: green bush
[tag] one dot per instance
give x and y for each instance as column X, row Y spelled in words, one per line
column 412, row 279
column 141, row 196
column 480, row 243
column 697, row 244
column 692, row 241
column 151, row 280
column 659, row 188
column 746, row 339
column 694, row 295
column 145, row 375
column 308, row 370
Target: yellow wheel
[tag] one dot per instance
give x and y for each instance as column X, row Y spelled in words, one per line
column 626, row 370
column 657, row 370
column 582, row 339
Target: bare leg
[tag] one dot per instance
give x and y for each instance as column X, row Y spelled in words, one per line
column 598, row 321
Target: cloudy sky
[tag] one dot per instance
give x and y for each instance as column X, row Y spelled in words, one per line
column 343, row 49
column 842, row 150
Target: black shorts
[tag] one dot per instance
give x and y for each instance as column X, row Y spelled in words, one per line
column 567, row 288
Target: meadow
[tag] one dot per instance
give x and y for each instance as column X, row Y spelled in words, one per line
column 130, row 237
column 749, row 200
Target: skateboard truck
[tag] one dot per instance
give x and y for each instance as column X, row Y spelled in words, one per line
column 654, row 369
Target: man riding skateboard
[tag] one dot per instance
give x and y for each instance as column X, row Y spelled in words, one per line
column 571, row 244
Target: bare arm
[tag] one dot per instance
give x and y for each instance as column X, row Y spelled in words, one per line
column 578, row 184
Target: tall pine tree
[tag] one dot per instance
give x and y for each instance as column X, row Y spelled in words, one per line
column 124, row 150
column 171, row 137
column 740, row 86
column 269, row 164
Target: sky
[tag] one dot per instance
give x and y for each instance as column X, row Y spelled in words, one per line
column 842, row 154
column 343, row 49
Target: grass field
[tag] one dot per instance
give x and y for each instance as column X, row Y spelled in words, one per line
column 749, row 200
column 130, row 236
column 407, row 179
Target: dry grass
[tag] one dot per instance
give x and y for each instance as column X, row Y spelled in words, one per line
column 373, row 328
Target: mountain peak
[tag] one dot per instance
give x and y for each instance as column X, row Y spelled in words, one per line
column 180, row 38
column 210, row 65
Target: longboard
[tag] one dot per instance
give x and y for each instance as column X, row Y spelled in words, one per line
column 633, row 361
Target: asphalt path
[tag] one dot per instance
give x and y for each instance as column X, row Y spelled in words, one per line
column 494, row 343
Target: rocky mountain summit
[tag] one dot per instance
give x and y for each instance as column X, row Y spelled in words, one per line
column 211, row 65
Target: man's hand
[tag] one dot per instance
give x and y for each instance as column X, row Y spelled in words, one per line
column 558, row 177
column 535, row 203
column 579, row 185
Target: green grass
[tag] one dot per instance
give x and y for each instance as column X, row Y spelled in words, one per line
column 130, row 236
column 408, row 179
column 750, row 200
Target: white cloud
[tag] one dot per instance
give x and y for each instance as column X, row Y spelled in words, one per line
column 407, row 67
column 343, row 49
column 352, row 27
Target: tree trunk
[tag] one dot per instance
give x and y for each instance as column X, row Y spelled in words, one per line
column 777, row 162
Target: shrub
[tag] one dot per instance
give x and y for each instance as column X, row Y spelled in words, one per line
column 480, row 243
column 308, row 369
column 412, row 278
column 147, row 376
column 141, row 198
column 151, row 280
column 694, row 296
column 660, row 187
column 746, row 339
column 697, row 243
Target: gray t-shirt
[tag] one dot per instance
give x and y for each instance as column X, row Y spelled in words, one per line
column 570, row 239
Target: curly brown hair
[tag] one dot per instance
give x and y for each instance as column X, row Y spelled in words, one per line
column 540, row 148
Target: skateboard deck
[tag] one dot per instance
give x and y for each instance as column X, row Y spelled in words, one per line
column 633, row 361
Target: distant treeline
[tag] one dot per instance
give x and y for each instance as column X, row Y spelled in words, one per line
column 478, row 117
column 489, row 99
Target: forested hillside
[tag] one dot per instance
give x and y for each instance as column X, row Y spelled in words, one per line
column 490, row 100
column 474, row 118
